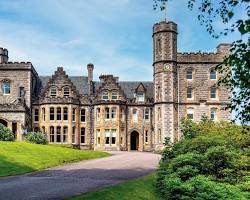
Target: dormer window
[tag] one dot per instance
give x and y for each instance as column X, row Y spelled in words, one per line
column 105, row 95
column 53, row 91
column 140, row 96
column 213, row 75
column 66, row 91
column 114, row 95
column 189, row 75
column 6, row 87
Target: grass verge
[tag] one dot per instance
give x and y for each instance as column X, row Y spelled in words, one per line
column 21, row 157
column 137, row 189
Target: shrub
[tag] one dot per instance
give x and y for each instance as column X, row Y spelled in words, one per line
column 210, row 162
column 6, row 134
column 36, row 137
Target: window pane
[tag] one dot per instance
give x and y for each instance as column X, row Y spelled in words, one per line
column 213, row 93
column 52, row 114
column 83, row 115
column 65, row 113
column 105, row 96
column 6, row 87
column 66, row 92
column 189, row 93
column 53, row 91
column 114, row 96
column 189, row 74
column 58, row 114
column 82, row 135
column 213, row 74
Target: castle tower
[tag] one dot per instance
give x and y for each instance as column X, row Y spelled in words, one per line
column 165, row 81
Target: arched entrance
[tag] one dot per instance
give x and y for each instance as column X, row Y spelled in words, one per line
column 3, row 122
column 134, row 140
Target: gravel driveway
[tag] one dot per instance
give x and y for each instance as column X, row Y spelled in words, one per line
column 80, row 177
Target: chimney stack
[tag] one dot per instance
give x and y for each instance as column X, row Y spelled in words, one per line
column 3, row 56
column 90, row 68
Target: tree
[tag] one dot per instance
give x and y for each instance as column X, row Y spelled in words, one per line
column 236, row 66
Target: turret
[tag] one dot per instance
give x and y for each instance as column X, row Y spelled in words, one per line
column 3, row 56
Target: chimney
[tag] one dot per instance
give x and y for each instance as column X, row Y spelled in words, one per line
column 90, row 68
column 3, row 56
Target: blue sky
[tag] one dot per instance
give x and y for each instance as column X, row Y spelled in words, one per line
column 116, row 36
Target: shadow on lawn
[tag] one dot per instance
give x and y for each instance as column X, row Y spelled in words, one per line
column 9, row 168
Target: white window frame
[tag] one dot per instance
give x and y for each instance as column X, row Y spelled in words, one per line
column 214, row 74
column 6, row 86
column 213, row 98
column 114, row 95
column 188, row 74
column 213, row 112
column 105, row 95
column 147, row 113
column 53, row 91
column 192, row 93
column 135, row 115
column 66, row 93
column 190, row 112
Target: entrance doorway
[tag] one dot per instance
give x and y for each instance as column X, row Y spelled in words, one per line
column 134, row 140
column 3, row 122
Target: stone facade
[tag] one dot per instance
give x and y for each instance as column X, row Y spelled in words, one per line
column 110, row 114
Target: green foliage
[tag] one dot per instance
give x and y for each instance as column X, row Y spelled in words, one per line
column 236, row 66
column 6, row 134
column 36, row 138
column 210, row 162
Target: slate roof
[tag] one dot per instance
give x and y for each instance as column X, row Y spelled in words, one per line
column 81, row 83
column 130, row 86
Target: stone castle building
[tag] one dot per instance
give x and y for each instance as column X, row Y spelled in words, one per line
column 110, row 114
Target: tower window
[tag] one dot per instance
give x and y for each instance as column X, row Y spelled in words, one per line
column 158, row 45
column 159, row 113
column 213, row 75
column 6, row 87
column 189, row 93
column 190, row 113
column 189, row 75
column 159, row 93
column 213, row 93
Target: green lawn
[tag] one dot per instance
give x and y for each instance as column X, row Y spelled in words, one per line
column 138, row 189
column 21, row 157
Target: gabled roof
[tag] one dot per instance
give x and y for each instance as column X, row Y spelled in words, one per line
column 80, row 82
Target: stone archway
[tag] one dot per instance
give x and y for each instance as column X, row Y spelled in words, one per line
column 4, row 122
column 134, row 141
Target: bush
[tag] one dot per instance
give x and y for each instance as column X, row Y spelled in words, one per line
column 36, row 137
column 210, row 162
column 6, row 134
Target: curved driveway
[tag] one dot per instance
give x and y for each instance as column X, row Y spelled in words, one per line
column 80, row 177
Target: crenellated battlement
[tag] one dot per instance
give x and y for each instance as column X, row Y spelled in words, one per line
column 204, row 57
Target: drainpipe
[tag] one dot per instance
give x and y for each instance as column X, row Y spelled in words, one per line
column 178, row 90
